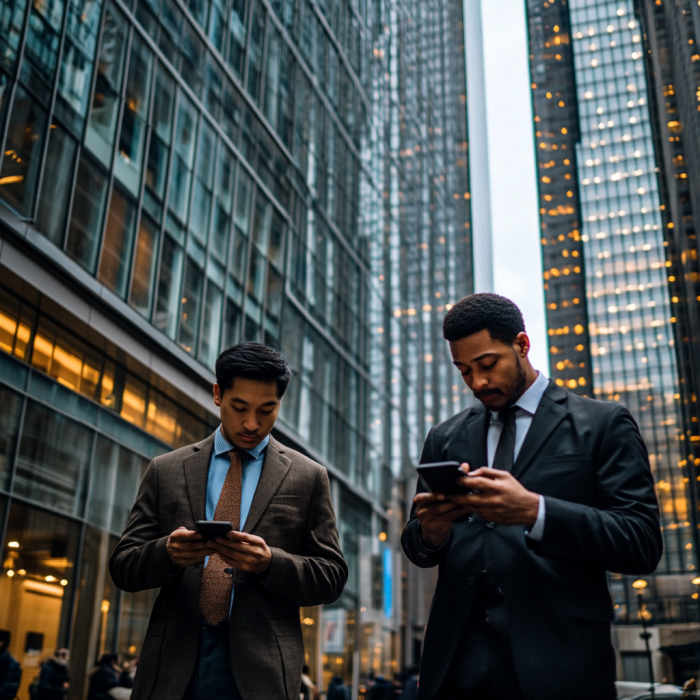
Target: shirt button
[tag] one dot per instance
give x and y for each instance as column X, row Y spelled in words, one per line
column 490, row 526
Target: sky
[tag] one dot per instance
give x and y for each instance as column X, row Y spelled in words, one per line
column 516, row 246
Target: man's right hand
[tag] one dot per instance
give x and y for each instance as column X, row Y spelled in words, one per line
column 436, row 516
column 186, row 547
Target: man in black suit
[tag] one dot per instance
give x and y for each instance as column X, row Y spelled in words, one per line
column 522, row 609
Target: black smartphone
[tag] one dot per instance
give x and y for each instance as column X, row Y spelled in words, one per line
column 211, row 529
column 441, row 477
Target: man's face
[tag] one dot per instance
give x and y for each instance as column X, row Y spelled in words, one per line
column 492, row 369
column 248, row 411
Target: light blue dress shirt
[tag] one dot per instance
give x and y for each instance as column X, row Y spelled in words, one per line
column 253, row 461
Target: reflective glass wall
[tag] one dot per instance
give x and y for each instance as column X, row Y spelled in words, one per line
column 590, row 55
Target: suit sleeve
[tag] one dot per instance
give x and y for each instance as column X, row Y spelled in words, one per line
column 621, row 533
column 413, row 546
column 318, row 575
column 140, row 560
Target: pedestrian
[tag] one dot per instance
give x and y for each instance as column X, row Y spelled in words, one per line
column 308, row 687
column 10, row 670
column 337, row 690
column 557, row 490
column 105, row 676
column 382, row 689
column 227, row 601
column 53, row 682
column 129, row 673
column 410, row 685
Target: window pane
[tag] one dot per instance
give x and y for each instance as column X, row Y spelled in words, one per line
column 41, row 50
column 217, row 24
column 171, row 19
column 191, row 306
column 185, row 135
column 144, row 266
column 169, row 288
column 98, row 598
column 192, row 55
column 276, row 249
column 261, row 224
column 118, row 240
column 87, row 214
column 211, row 332
column 134, row 401
column 255, row 53
column 11, row 21
column 116, row 478
column 77, row 63
column 237, row 43
column 105, row 99
column 232, row 326
column 256, row 275
column 162, row 418
column 9, row 422
column 159, row 149
column 37, row 597
column 132, row 137
column 54, row 454
column 23, row 151
column 55, row 191
column 272, row 77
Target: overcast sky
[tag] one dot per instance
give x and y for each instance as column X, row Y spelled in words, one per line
column 516, row 247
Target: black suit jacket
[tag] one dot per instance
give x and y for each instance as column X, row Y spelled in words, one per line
column 589, row 461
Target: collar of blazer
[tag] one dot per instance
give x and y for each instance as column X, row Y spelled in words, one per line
column 550, row 413
column 196, row 472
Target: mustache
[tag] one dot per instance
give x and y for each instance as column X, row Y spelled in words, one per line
column 486, row 392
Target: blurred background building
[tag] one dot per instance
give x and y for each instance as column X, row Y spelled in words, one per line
column 177, row 176
column 617, row 247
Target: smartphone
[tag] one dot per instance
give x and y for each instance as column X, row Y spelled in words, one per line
column 441, row 477
column 211, row 529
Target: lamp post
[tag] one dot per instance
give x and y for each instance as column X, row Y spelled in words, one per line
column 640, row 585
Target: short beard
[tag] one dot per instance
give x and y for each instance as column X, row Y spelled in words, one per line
column 520, row 381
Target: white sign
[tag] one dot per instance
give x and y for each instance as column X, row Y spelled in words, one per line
column 334, row 631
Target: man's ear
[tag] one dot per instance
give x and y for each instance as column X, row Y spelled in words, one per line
column 216, row 390
column 522, row 341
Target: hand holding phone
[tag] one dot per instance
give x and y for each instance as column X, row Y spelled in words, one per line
column 441, row 477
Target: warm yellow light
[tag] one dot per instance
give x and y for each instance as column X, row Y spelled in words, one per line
column 104, row 608
column 64, row 582
column 13, row 545
column 696, row 581
column 382, row 536
column 50, row 579
column 10, row 573
column 22, row 572
column 639, row 584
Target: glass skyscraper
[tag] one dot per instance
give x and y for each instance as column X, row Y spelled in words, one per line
column 607, row 277
column 176, row 177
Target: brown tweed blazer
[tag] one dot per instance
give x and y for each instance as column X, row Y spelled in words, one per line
column 292, row 512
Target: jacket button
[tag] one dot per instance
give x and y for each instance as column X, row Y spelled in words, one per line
column 422, row 555
column 470, row 581
column 491, row 525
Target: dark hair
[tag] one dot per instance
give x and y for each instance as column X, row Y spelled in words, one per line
column 252, row 361
column 109, row 658
column 5, row 636
column 498, row 315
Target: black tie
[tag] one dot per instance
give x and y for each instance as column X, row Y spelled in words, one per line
column 505, row 451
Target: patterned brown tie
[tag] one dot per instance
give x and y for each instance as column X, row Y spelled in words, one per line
column 215, row 594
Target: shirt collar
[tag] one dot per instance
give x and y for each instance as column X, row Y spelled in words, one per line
column 223, row 446
column 530, row 400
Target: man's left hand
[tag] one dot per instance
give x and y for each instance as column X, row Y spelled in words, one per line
column 501, row 498
column 243, row 552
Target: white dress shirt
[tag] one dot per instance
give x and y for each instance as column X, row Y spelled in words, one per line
column 527, row 405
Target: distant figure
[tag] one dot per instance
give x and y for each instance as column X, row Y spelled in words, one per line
column 53, row 679
column 10, row 670
column 105, row 676
column 129, row 673
column 382, row 689
column 308, row 687
column 337, row 690
column 410, row 686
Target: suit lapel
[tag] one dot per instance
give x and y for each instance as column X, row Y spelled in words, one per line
column 274, row 470
column 475, row 435
column 550, row 413
column 196, row 469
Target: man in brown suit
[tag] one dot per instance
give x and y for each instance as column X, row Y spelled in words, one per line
column 226, row 623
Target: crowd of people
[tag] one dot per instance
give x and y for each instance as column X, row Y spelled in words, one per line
column 109, row 679
column 403, row 687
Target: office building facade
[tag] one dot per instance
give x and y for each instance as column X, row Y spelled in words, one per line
column 179, row 176
column 607, row 274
